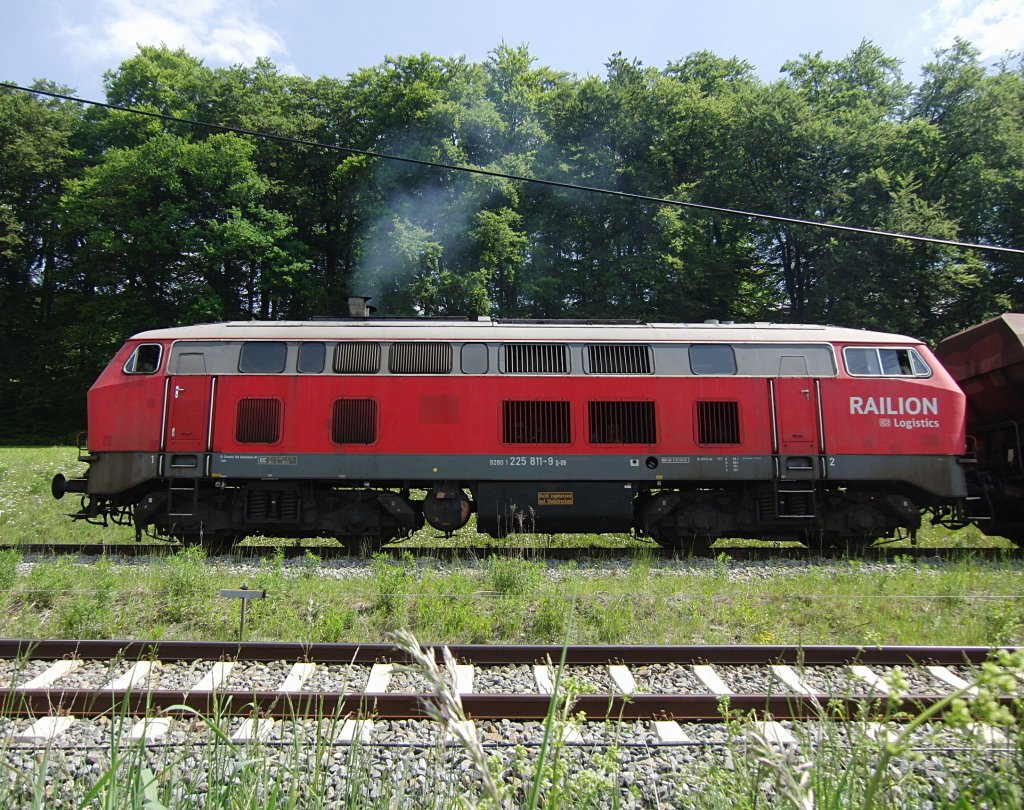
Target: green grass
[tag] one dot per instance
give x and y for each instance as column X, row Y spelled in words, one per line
column 521, row 601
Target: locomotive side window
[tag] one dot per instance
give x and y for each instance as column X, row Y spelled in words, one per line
column 878, row 362
column 354, row 421
column 712, row 358
column 312, row 358
column 530, row 422
column 145, row 359
column 258, row 420
column 718, row 422
column 619, row 359
column 622, row 423
column 262, row 357
column 536, row 358
column 357, row 357
column 420, row 358
column 474, row 358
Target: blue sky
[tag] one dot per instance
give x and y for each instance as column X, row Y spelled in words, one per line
column 74, row 41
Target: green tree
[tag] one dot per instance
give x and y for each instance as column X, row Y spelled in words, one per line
column 37, row 155
column 175, row 232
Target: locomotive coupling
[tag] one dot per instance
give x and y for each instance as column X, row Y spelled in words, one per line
column 60, row 485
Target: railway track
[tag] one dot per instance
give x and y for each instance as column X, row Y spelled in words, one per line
column 739, row 553
column 352, row 724
column 639, row 683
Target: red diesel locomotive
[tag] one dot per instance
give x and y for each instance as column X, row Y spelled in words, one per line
column 363, row 428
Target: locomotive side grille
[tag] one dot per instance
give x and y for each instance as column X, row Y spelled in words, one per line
column 258, row 421
column 354, row 421
column 718, row 423
column 357, row 357
column 535, row 422
column 619, row 359
column 420, row 358
column 263, row 506
column 536, row 358
column 622, row 423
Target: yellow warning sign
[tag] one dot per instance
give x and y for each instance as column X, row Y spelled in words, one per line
column 555, row 499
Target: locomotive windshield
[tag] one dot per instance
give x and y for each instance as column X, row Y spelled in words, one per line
column 878, row 362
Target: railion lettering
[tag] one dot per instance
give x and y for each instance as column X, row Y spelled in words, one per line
column 894, row 406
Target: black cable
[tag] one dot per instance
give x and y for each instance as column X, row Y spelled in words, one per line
column 519, row 178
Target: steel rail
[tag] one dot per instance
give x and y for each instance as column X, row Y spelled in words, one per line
column 496, row 654
column 738, row 553
column 395, row 705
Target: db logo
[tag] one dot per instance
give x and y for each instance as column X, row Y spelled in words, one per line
column 885, row 422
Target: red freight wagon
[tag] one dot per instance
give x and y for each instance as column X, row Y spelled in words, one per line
column 363, row 428
column 987, row 361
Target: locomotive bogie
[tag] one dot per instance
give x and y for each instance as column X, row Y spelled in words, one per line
column 674, row 432
column 789, row 511
column 187, row 510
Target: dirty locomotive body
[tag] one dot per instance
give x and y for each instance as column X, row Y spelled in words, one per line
column 362, row 429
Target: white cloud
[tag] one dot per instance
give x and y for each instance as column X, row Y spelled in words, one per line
column 222, row 32
column 995, row 27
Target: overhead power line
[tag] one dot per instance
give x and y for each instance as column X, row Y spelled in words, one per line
column 477, row 170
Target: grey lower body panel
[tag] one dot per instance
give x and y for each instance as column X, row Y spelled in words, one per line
column 941, row 476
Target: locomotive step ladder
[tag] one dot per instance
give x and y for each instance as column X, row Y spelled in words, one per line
column 183, row 497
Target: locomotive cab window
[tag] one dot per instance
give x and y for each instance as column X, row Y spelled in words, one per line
column 145, row 359
column 712, row 358
column 878, row 362
column 262, row 357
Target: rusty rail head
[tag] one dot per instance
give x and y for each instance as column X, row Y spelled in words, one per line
column 738, row 553
column 404, row 705
column 495, row 655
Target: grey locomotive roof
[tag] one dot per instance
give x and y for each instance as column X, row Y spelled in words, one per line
column 495, row 330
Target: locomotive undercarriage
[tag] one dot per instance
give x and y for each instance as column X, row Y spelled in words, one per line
column 217, row 513
column 802, row 511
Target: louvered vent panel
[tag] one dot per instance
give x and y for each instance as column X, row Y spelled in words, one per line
column 420, row 358
column 619, row 359
column 536, row 422
column 360, row 357
column 718, row 423
column 266, row 506
column 354, row 421
column 536, row 358
column 622, row 423
column 258, row 421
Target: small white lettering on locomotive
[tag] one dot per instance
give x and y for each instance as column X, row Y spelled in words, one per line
column 277, row 460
